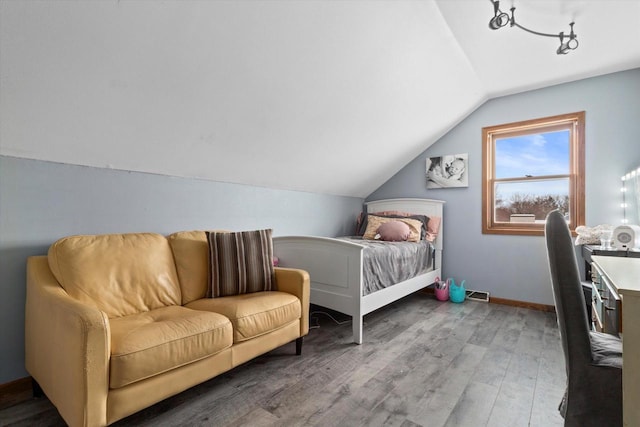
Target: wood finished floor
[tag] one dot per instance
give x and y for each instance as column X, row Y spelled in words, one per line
column 422, row 363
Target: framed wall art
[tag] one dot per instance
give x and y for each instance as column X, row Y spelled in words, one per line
column 448, row 171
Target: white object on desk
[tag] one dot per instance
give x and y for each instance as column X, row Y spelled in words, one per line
column 626, row 237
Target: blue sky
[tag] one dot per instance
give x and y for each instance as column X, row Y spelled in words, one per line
column 537, row 155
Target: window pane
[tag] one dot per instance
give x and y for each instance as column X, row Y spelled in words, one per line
column 529, row 169
column 530, row 201
column 536, row 154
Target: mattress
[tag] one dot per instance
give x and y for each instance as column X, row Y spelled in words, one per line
column 388, row 263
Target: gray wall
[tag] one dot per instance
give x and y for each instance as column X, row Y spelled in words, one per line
column 42, row 201
column 515, row 267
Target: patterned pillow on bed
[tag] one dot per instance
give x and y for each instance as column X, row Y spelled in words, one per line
column 374, row 222
column 240, row 262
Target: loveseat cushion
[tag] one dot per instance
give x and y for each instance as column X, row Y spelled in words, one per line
column 253, row 314
column 191, row 254
column 147, row 344
column 120, row 274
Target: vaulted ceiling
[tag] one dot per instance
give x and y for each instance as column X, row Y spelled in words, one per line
column 321, row 96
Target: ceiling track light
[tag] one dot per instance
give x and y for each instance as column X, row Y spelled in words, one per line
column 501, row 19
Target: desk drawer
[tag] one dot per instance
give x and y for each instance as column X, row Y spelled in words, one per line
column 596, row 312
column 612, row 309
column 607, row 308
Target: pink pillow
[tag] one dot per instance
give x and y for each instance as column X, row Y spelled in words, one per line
column 394, row 231
column 433, row 227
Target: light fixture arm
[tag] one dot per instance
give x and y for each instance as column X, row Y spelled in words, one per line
column 501, row 19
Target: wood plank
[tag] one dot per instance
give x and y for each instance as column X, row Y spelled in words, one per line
column 474, row 406
column 512, row 406
column 15, row 392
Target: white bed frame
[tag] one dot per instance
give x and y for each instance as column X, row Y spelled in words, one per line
column 335, row 266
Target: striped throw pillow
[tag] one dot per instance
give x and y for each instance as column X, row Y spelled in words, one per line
column 241, row 262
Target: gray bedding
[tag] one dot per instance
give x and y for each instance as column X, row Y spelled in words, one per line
column 388, row 263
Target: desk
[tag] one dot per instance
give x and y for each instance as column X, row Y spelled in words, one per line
column 589, row 251
column 624, row 275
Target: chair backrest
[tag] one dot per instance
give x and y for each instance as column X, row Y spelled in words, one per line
column 569, row 299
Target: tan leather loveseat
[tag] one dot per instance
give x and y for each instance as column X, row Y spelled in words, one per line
column 116, row 323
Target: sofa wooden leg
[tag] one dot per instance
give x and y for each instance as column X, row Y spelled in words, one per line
column 37, row 390
column 299, row 346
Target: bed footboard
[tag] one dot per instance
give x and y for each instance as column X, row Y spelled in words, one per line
column 334, row 266
column 335, row 270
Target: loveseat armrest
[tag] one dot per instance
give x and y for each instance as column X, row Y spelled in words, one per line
column 67, row 347
column 296, row 282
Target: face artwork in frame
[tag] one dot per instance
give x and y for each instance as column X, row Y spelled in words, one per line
column 448, row 171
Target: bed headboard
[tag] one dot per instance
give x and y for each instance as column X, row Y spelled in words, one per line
column 428, row 207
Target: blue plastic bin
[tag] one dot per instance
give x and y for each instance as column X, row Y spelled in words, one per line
column 457, row 293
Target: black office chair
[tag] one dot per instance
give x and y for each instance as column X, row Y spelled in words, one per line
column 593, row 360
